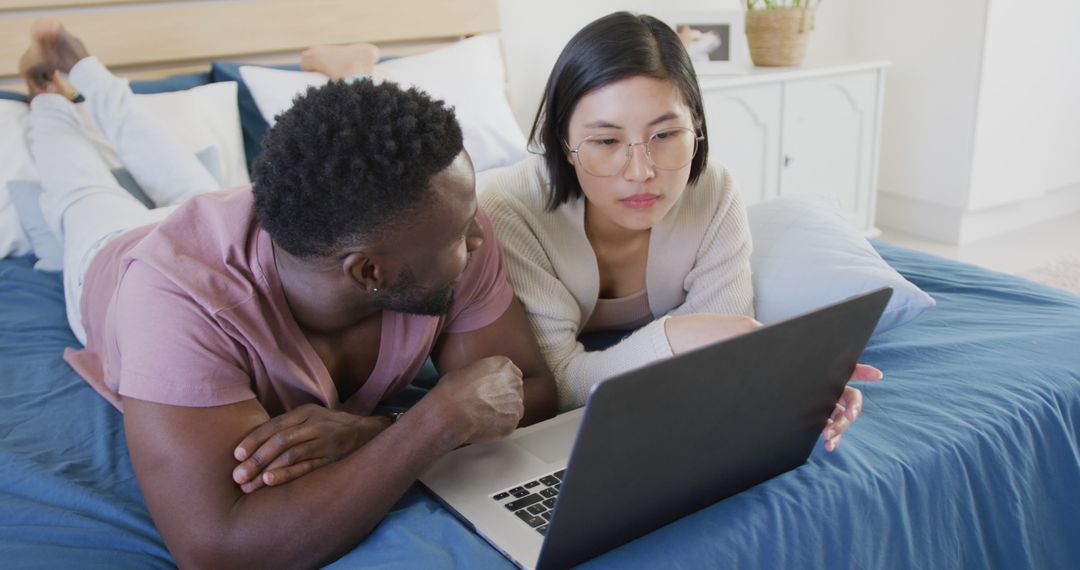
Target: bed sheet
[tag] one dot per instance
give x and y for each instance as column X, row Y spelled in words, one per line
column 966, row 455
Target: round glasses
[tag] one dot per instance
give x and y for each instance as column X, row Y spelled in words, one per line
column 608, row 155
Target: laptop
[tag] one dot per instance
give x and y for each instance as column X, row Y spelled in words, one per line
column 660, row 442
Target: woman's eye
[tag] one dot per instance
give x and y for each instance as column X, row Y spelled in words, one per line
column 604, row 142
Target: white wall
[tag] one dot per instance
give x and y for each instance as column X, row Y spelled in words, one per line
column 535, row 31
column 981, row 126
column 1028, row 137
column 931, row 93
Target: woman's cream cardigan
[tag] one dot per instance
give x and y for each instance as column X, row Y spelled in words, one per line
column 699, row 262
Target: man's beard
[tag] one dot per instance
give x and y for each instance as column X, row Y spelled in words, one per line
column 407, row 296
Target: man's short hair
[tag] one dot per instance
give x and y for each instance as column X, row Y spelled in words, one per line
column 348, row 161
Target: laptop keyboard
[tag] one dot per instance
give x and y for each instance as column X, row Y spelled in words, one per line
column 533, row 501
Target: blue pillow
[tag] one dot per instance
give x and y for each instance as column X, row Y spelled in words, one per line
column 168, row 84
column 13, row 96
column 26, row 196
column 251, row 121
column 173, row 83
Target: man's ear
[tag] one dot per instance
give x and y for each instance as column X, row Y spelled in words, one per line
column 364, row 270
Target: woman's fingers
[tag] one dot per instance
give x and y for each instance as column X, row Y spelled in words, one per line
column 866, row 373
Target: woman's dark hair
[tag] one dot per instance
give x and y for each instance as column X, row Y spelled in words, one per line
column 350, row 161
column 609, row 49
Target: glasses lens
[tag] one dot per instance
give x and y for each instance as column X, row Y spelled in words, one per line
column 671, row 149
column 602, row 155
column 606, row 155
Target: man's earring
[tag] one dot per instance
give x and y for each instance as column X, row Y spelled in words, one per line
column 374, row 289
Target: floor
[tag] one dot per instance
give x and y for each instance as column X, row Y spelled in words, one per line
column 1015, row 252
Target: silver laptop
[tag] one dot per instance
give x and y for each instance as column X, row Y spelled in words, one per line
column 660, row 442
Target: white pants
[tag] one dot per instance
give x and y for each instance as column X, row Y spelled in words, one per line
column 81, row 200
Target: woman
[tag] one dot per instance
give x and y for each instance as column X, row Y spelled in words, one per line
column 621, row 223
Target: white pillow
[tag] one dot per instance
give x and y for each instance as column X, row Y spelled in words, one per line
column 201, row 117
column 14, row 163
column 274, row 89
column 468, row 75
column 807, row 254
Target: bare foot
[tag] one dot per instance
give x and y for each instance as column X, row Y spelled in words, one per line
column 52, row 50
column 339, row 62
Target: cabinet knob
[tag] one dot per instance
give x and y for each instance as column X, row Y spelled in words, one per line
column 787, row 160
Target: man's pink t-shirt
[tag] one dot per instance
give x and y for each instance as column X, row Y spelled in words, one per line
column 190, row 312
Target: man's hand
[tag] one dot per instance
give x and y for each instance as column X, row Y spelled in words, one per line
column 487, row 396
column 298, row 442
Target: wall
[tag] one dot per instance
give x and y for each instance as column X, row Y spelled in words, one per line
column 535, row 31
column 1027, row 140
column 979, row 133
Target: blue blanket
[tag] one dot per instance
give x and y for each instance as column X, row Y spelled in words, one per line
column 966, row 455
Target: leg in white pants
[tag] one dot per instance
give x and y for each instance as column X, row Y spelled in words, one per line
column 82, row 202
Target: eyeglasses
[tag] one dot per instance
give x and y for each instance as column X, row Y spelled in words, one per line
column 608, row 155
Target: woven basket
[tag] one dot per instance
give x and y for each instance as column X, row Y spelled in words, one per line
column 778, row 37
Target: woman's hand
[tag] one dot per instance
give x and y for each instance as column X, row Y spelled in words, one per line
column 848, row 408
column 298, row 442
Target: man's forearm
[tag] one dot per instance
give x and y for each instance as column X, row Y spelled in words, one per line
column 348, row 499
column 307, row 522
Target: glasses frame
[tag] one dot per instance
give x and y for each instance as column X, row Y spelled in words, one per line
column 698, row 137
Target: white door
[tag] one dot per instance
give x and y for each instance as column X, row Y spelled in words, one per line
column 828, row 141
column 744, row 136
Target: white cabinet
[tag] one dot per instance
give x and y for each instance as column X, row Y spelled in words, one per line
column 809, row 129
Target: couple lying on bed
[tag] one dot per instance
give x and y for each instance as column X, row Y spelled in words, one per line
column 249, row 334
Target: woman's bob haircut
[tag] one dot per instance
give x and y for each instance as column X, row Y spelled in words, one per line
column 610, row 49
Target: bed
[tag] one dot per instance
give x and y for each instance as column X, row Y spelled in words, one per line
column 966, row 455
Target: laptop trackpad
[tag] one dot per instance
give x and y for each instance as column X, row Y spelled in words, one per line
column 551, row 444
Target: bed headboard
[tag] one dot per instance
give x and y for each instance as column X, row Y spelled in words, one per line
column 152, row 38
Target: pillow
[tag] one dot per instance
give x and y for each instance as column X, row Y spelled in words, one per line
column 467, row 75
column 15, row 163
column 251, row 121
column 26, row 195
column 26, row 199
column 202, row 117
column 273, row 90
column 13, row 96
column 807, row 254
column 171, row 83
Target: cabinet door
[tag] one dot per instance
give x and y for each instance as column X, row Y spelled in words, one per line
column 744, row 136
column 828, row 143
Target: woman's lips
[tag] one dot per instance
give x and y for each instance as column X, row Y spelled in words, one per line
column 640, row 201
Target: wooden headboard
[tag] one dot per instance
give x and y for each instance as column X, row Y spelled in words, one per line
column 154, row 38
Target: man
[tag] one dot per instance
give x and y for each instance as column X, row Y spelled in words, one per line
column 307, row 299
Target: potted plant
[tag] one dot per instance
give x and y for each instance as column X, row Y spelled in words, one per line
column 777, row 30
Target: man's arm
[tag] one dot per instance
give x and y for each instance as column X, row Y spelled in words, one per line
column 511, row 336
column 278, row 447
column 183, row 459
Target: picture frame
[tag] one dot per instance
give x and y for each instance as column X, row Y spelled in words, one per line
column 714, row 39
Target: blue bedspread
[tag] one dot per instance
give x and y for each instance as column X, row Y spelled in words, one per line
column 966, row 455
